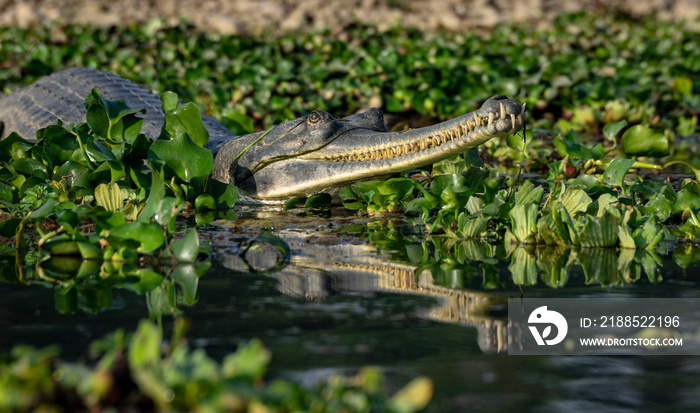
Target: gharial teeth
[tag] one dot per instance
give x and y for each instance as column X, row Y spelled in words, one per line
column 512, row 119
column 522, row 110
column 520, row 119
column 490, row 119
column 503, row 111
column 477, row 121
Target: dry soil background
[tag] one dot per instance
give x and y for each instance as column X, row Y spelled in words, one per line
column 251, row 16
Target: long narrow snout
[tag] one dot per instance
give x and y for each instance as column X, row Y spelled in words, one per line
column 363, row 154
column 397, row 151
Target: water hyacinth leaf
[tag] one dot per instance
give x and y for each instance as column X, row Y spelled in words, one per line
column 109, row 196
column 640, row 140
column 471, row 228
column 168, row 101
column 659, row 207
column 685, row 199
column 397, row 188
column 566, row 145
column 529, row 194
column 29, row 167
column 186, row 159
column 13, row 147
column 44, row 211
column 524, row 222
column 186, row 120
column 600, row 231
column 611, row 130
column 347, row 196
column 607, row 203
column 298, row 201
column 455, row 182
column 648, row 235
column 186, row 248
column 420, row 205
column 167, row 210
column 225, row 195
column 575, row 200
column 615, row 174
column 148, row 235
column 205, row 202
column 318, row 201
column 58, row 143
column 75, row 174
column 650, row 188
column 156, row 194
column 8, row 227
column 112, row 119
column 89, row 251
column 6, row 193
column 625, row 237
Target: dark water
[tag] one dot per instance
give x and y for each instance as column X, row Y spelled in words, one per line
column 350, row 297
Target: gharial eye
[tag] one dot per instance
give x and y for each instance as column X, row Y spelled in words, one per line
column 314, row 117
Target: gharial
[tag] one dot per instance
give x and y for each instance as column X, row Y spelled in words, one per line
column 316, row 153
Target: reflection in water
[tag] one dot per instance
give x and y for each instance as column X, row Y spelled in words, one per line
column 466, row 282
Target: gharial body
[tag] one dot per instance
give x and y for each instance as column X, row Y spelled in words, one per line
column 313, row 154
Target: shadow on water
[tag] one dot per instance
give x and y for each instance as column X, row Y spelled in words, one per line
column 354, row 293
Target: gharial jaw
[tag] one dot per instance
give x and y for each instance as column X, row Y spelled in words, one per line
column 359, row 154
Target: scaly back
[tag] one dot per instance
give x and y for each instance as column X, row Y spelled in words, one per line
column 61, row 96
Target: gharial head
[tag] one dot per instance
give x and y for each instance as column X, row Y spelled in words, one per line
column 319, row 153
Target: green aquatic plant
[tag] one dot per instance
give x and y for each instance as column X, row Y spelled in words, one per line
column 105, row 172
column 144, row 369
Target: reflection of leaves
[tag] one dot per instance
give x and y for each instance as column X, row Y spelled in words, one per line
column 600, row 266
column 523, row 267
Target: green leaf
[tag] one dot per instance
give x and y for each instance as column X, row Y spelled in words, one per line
column 611, row 130
column 524, row 220
column 186, row 248
column 58, row 143
column 149, row 235
column 168, row 101
column 640, row 140
column 155, row 195
column 14, row 147
column 186, row 120
column 225, row 195
column 205, row 202
column 183, row 157
column 298, row 201
column 318, row 201
column 686, row 199
column 112, row 119
column 109, row 196
column 76, row 175
column 615, row 174
column 600, row 231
